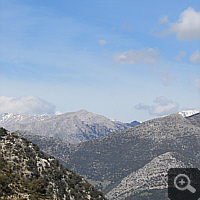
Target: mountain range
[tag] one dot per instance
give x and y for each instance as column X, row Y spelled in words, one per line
column 131, row 163
column 73, row 127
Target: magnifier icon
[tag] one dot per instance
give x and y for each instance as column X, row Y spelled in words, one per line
column 182, row 182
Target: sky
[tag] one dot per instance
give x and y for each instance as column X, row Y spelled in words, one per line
column 128, row 60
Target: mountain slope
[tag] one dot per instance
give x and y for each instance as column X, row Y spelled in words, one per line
column 152, row 176
column 105, row 161
column 73, row 127
column 27, row 173
column 56, row 147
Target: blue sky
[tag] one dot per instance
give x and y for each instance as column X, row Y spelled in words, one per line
column 129, row 60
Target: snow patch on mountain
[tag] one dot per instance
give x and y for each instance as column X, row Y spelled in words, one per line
column 9, row 118
column 188, row 113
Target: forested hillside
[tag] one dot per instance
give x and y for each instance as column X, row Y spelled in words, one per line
column 28, row 173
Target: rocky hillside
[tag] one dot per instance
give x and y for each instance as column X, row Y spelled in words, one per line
column 152, row 176
column 72, row 127
column 56, row 147
column 107, row 160
column 28, row 173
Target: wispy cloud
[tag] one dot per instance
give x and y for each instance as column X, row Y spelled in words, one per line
column 163, row 19
column 25, row 105
column 180, row 56
column 163, row 72
column 163, row 106
column 187, row 27
column 113, row 28
column 197, row 81
column 195, row 58
column 34, row 40
column 144, row 56
column 166, row 77
column 102, row 42
column 127, row 27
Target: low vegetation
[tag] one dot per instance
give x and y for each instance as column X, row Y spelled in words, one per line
column 26, row 173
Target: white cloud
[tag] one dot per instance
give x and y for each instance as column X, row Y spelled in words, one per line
column 181, row 55
column 166, row 77
column 25, row 105
column 195, row 58
column 163, row 106
column 163, row 19
column 187, row 27
column 197, row 81
column 102, row 42
column 144, row 56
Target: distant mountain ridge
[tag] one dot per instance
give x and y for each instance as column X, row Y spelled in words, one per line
column 73, row 127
